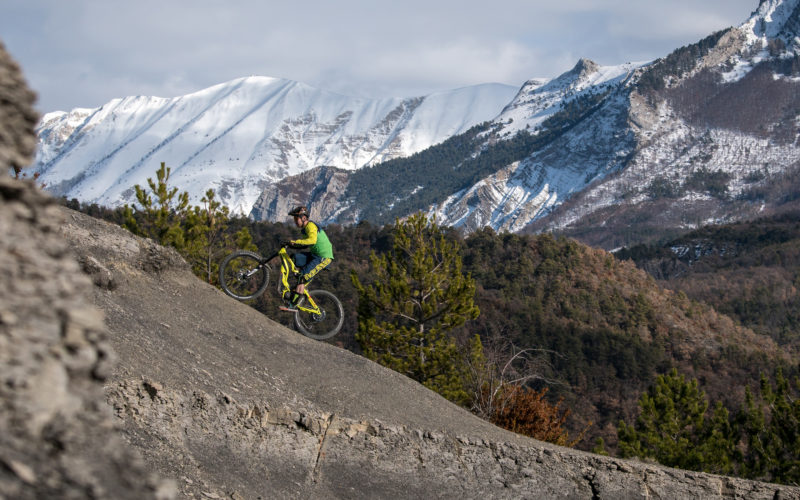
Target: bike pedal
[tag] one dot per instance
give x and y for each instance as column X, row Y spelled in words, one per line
column 287, row 308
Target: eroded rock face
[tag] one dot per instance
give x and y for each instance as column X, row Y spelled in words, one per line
column 17, row 116
column 225, row 448
column 322, row 189
column 57, row 433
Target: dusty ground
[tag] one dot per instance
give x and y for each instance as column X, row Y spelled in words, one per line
column 233, row 405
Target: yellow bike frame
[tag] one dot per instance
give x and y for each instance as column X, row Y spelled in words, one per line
column 287, row 266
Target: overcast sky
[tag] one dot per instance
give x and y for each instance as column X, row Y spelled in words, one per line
column 83, row 53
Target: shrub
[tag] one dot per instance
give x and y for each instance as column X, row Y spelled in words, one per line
column 526, row 411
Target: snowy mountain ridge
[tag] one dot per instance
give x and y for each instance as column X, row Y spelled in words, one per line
column 526, row 190
column 539, row 99
column 622, row 141
column 717, row 142
column 239, row 136
column 707, row 133
column 615, row 155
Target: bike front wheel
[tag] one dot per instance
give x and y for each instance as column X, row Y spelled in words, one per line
column 327, row 322
column 243, row 275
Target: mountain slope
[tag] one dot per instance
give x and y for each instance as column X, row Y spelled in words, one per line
column 715, row 127
column 240, row 136
column 616, row 155
column 747, row 270
column 605, row 328
column 587, row 139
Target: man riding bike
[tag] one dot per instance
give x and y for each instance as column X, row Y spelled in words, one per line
column 319, row 252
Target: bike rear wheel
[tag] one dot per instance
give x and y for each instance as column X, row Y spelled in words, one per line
column 324, row 325
column 243, row 275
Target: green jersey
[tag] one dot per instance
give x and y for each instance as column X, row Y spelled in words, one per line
column 317, row 240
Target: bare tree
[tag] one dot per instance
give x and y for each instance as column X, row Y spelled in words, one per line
column 495, row 364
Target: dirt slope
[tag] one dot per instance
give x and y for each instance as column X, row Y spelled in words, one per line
column 233, row 405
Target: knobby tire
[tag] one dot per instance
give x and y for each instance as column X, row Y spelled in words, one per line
column 326, row 325
column 243, row 276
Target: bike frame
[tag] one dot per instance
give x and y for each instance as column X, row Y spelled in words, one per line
column 288, row 266
column 245, row 275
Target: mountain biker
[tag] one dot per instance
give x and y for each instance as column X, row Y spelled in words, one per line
column 319, row 254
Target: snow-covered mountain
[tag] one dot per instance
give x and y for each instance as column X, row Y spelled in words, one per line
column 523, row 191
column 515, row 193
column 613, row 155
column 725, row 108
column 715, row 130
column 243, row 135
column 610, row 154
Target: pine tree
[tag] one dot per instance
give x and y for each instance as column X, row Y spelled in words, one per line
column 206, row 238
column 672, row 428
column 772, row 430
column 482, row 380
column 199, row 233
column 717, row 443
column 158, row 218
column 418, row 295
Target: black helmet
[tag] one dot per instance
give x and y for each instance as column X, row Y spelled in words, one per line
column 299, row 211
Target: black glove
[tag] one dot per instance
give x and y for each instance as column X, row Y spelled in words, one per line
column 286, row 243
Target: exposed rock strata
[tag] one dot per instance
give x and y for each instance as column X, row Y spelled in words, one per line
column 319, row 188
column 283, row 452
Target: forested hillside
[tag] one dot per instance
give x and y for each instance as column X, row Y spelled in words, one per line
column 609, row 327
column 748, row 270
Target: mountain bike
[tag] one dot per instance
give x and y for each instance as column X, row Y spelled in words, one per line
column 244, row 275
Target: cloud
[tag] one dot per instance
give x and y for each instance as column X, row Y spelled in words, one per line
column 454, row 63
column 83, row 53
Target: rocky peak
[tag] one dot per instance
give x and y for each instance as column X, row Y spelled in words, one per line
column 579, row 73
column 776, row 19
column 583, row 68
